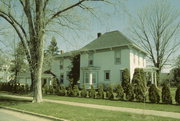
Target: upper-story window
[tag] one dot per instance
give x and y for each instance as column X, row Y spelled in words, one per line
column 117, row 56
column 91, row 56
column 61, row 64
column 107, row 75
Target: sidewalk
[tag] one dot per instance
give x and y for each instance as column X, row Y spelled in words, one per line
column 112, row 108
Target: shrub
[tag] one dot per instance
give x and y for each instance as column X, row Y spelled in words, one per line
column 61, row 91
column 100, row 93
column 27, row 89
column 166, row 95
column 125, row 79
column 83, row 91
column 154, row 96
column 109, row 94
column 92, row 92
column 130, row 93
column 75, row 91
column 45, row 89
column 51, row 90
column 177, row 96
column 120, row 92
column 70, row 91
column 138, row 82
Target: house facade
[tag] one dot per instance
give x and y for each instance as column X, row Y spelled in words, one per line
column 102, row 61
column 61, row 66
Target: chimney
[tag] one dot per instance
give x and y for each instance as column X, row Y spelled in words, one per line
column 61, row 51
column 98, row 35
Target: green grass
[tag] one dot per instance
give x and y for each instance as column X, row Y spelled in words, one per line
column 74, row 113
column 160, row 107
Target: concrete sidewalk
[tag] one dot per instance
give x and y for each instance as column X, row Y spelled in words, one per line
column 112, row 108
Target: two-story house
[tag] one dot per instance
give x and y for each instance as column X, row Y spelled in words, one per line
column 103, row 60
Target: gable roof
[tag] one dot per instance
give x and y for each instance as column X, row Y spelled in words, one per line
column 109, row 40
column 68, row 54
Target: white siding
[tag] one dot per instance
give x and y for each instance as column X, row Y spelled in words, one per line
column 66, row 68
column 106, row 61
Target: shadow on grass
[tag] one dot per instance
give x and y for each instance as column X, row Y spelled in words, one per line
column 6, row 101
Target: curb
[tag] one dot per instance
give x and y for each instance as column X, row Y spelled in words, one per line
column 35, row 114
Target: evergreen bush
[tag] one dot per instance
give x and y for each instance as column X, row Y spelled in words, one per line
column 120, row 92
column 166, row 94
column 92, row 92
column 75, row 91
column 125, row 79
column 138, row 82
column 130, row 93
column 109, row 93
column 100, row 94
column 70, row 91
column 61, row 91
column 83, row 91
column 177, row 96
column 154, row 96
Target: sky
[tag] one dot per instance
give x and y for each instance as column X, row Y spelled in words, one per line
column 108, row 17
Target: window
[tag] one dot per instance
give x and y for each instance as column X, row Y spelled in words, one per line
column 90, row 59
column 107, row 75
column 117, row 56
column 61, row 64
column 61, row 78
column 94, row 77
column 86, row 77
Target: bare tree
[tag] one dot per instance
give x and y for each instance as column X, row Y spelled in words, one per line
column 156, row 29
column 37, row 16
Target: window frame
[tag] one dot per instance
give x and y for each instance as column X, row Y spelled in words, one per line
column 117, row 53
column 105, row 72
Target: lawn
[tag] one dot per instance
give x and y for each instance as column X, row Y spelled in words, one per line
column 74, row 113
column 160, row 107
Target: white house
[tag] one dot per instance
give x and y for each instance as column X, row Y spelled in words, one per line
column 102, row 60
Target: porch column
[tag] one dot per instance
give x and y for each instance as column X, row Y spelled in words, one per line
column 90, row 78
column 152, row 79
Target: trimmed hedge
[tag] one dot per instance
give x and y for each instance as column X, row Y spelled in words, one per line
column 154, row 96
column 100, row 93
column 130, row 93
column 177, row 96
column 120, row 92
column 83, row 91
column 92, row 92
column 109, row 93
column 166, row 94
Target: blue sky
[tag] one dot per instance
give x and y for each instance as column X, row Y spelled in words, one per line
column 109, row 18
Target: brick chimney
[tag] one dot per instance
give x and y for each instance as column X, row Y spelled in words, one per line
column 61, row 51
column 98, row 35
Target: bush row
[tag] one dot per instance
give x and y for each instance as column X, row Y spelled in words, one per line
column 14, row 87
column 115, row 93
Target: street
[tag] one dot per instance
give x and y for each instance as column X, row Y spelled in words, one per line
column 8, row 115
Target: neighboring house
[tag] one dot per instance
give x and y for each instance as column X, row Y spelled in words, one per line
column 25, row 78
column 103, row 60
column 5, row 75
column 61, row 66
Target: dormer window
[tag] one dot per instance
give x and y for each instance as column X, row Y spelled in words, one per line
column 118, row 56
column 90, row 59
